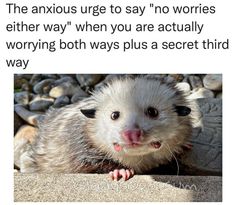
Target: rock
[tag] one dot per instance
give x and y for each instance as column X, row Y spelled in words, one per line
column 41, row 103
column 183, row 86
column 36, row 78
column 26, row 87
column 79, row 96
column 44, row 86
column 50, row 76
column 67, row 75
column 19, row 81
column 206, row 156
column 195, row 81
column 18, row 122
column 22, row 97
column 25, row 76
column 66, row 79
column 213, row 82
column 177, row 77
column 25, row 135
column 66, row 88
column 88, row 79
column 201, row 93
column 30, row 117
column 76, row 98
column 61, row 101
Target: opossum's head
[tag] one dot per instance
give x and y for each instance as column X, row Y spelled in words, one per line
column 138, row 116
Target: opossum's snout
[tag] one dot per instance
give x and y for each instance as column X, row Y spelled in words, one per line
column 133, row 142
column 132, row 137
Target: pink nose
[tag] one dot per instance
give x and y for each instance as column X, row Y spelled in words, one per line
column 131, row 136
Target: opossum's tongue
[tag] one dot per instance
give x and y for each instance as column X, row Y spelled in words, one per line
column 117, row 147
column 156, row 145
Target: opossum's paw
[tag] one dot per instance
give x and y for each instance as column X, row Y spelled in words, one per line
column 121, row 173
column 188, row 146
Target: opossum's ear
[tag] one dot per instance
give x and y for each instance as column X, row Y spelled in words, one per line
column 182, row 110
column 90, row 113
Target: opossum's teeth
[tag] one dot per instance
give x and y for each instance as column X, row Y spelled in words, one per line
column 117, row 147
column 156, row 145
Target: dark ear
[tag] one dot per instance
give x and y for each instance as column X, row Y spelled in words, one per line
column 90, row 113
column 182, row 110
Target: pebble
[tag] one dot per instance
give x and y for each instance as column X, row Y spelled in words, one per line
column 184, row 87
column 177, row 77
column 44, row 86
column 195, row 81
column 201, row 93
column 19, row 81
column 76, row 98
column 88, row 79
column 41, row 103
column 35, row 79
column 213, row 82
column 22, row 97
column 61, row 101
column 65, row 79
column 28, row 116
column 66, row 88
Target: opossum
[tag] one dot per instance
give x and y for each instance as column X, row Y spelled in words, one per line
column 129, row 126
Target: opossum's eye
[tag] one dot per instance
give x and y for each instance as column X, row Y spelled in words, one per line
column 89, row 113
column 182, row 110
column 152, row 112
column 115, row 115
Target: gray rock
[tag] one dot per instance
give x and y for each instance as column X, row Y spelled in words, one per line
column 66, row 88
column 66, row 79
column 67, row 75
column 61, row 101
column 183, row 86
column 177, row 77
column 206, row 156
column 19, row 81
column 22, row 97
column 35, row 79
column 44, row 86
column 41, row 103
column 30, row 117
column 88, row 79
column 213, row 81
column 201, row 93
column 76, row 98
column 195, row 82
column 25, row 76
column 27, row 87
column 51, row 76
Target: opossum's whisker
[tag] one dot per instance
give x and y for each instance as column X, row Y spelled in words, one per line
column 177, row 164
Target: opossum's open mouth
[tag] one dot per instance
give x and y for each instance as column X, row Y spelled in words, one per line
column 118, row 147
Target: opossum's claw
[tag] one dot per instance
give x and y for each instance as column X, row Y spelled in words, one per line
column 121, row 173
